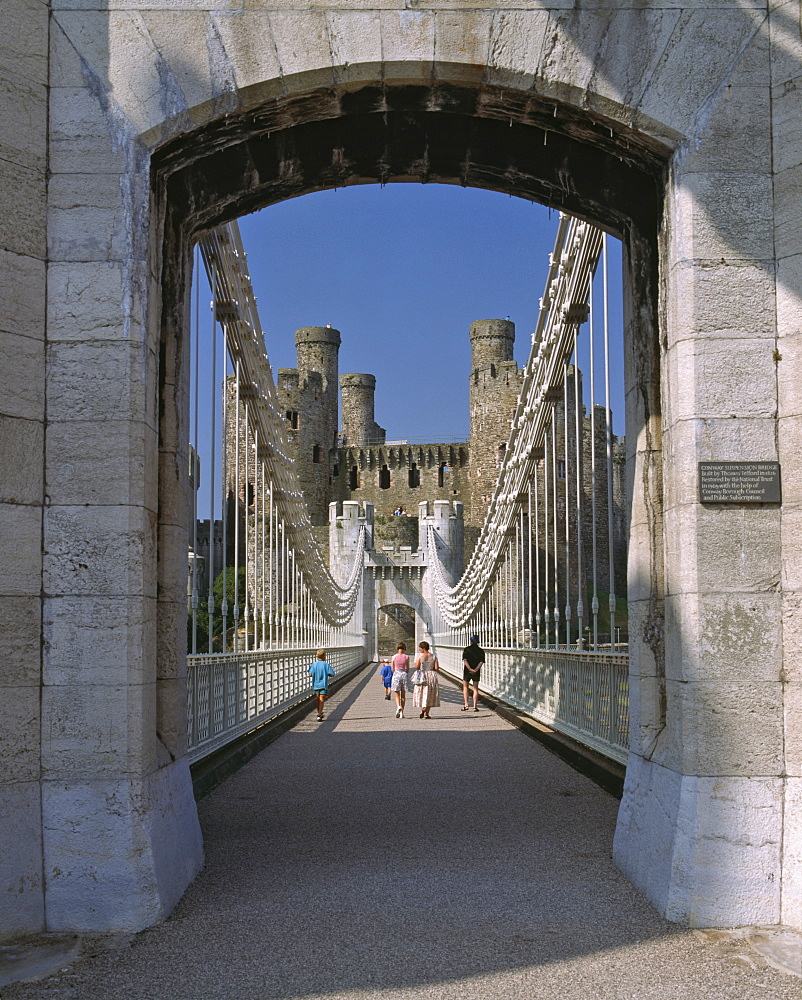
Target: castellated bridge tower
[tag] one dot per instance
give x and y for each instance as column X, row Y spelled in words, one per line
column 359, row 425
column 495, row 385
column 308, row 398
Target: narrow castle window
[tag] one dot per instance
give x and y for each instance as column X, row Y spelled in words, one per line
column 336, row 470
column 317, row 454
column 442, row 469
column 413, row 476
column 292, row 419
column 560, row 469
column 384, row 478
column 353, row 478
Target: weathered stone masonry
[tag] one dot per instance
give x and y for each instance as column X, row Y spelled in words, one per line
column 126, row 130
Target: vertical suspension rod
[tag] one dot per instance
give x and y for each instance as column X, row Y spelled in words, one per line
column 609, row 422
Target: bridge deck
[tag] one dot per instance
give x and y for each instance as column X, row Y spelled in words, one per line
column 369, row 857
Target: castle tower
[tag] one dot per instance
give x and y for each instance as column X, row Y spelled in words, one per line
column 495, row 384
column 318, row 349
column 307, row 396
column 359, row 425
column 492, row 341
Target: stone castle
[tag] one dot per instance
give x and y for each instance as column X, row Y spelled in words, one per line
column 359, row 463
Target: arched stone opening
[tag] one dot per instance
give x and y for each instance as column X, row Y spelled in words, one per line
column 150, row 125
column 395, row 623
column 471, row 135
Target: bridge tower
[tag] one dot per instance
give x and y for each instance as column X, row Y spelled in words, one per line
column 446, row 518
column 345, row 520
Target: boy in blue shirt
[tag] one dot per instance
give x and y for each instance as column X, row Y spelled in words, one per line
column 320, row 672
column 387, row 677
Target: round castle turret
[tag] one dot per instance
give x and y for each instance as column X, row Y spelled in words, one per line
column 494, row 388
column 318, row 348
column 357, row 394
column 492, row 341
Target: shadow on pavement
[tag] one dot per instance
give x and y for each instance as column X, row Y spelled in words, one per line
column 370, row 857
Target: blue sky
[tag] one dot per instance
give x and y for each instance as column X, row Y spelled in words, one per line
column 402, row 271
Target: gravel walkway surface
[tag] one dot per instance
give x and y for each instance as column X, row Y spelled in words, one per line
column 404, row 859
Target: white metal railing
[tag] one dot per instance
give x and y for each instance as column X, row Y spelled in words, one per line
column 230, row 694
column 583, row 695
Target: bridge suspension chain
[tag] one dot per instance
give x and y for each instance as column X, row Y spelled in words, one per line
column 281, row 553
column 495, row 593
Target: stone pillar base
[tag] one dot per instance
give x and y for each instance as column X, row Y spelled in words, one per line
column 119, row 852
column 705, row 850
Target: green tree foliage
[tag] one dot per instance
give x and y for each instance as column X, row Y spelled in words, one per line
column 217, row 620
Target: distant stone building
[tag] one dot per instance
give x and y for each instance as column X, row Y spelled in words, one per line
column 358, row 464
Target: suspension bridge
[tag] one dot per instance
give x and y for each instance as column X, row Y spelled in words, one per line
column 130, row 133
column 531, row 584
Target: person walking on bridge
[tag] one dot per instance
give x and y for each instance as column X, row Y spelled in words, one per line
column 320, row 671
column 400, row 681
column 427, row 694
column 473, row 659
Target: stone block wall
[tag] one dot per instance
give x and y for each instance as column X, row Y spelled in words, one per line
column 392, row 476
column 23, row 300
column 676, row 126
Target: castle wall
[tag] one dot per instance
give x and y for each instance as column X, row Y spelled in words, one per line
column 392, row 476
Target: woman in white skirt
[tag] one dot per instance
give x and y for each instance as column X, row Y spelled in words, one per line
column 427, row 696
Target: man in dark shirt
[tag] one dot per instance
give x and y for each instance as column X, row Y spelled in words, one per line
column 473, row 659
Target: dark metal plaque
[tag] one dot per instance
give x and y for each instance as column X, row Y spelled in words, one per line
column 739, row 482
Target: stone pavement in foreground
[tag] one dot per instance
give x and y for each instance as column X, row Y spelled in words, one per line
column 452, row 859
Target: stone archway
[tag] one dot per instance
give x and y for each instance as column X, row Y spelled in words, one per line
column 455, row 132
column 162, row 123
column 396, row 623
